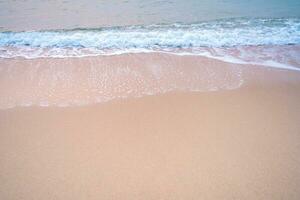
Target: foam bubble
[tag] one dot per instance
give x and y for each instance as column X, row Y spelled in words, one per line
column 222, row 33
column 78, row 82
column 243, row 41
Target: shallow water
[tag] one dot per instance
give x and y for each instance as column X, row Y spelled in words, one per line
column 75, row 82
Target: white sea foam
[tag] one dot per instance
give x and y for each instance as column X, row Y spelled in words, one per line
column 227, row 33
column 228, row 40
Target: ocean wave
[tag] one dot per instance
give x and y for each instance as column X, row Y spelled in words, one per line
column 221, row 33
column 228, row 39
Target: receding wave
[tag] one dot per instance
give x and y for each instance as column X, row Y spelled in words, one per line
column 226, row 39
column 90, row 80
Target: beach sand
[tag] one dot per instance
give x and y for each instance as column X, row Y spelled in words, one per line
column 236, row 143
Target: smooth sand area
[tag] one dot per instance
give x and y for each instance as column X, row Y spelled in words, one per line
column 239, row 144
column 238, row 137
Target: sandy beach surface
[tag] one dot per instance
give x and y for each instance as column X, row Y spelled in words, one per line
column 149, row 100
column 240, row 142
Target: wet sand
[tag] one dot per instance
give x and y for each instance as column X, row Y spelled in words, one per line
column 237, row 143
column 90, row 80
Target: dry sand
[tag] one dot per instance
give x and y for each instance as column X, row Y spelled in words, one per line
column 242, row 143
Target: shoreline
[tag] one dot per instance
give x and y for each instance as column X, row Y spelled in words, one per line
column 90, row 80
column 236, row 138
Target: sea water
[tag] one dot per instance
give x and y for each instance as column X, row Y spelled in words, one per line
column 266, row 41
